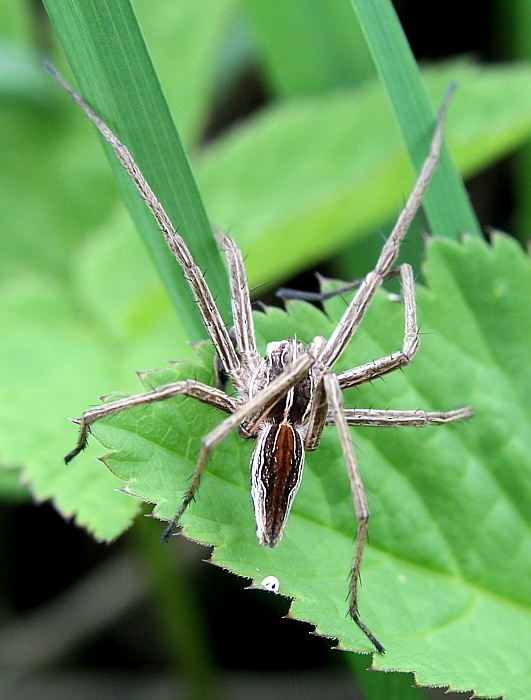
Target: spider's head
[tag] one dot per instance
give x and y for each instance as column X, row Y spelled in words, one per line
column 279, row 355
column 293, row 403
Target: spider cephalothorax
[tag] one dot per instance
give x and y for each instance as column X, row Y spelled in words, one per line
column 285, row 399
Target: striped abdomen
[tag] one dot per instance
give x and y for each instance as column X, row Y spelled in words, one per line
column 276, row 472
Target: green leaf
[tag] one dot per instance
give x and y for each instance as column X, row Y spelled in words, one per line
column 63, row 344
column 445, row 575
column 321, row 172
column 65, row 193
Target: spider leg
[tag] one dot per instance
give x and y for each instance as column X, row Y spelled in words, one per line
column 317, row 418
column 286, row 293
column 240, row 300
column 369, row 417
column 249, row 416
column 377, row 368
column 335, row 400
column 193, row 275
column 350, row 322
column 195, row 390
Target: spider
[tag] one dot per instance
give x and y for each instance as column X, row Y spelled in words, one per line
column 285, row 399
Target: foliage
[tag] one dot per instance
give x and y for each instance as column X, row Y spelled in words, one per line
column 449, row 505
column 322, row 168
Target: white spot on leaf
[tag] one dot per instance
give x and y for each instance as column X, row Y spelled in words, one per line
column 271, row 583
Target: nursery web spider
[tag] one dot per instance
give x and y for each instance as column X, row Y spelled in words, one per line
column 285, row 399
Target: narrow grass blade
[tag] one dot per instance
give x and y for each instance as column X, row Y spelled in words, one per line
column 108, row 56
column 446, row 202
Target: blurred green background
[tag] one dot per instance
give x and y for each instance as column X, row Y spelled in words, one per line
column 81, row 304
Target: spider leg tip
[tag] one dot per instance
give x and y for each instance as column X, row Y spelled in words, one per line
column 165, row 537
column 173, row 528
column 366, row 631
column 70, row 456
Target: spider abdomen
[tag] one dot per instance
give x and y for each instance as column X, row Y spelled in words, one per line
column 276, row 472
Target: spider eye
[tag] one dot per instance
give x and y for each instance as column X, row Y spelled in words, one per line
column 282, row 353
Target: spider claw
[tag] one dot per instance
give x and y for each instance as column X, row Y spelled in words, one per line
column 174, row 523
column 173, row 528
column 70, row 456
column 366, row 631
column 168, row 532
